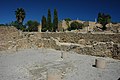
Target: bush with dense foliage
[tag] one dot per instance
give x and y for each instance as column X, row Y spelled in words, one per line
column 75, row 25
column 67, row 19
column 19, row 26
column 32, row 25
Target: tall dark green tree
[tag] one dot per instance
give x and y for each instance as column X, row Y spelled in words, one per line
column 49, row 23
column 55, row 20
column 103, row 19
column 67, row 21
column 44, row 24
column 99, row 19
column 20, row 15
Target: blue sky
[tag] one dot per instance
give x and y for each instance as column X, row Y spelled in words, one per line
column 82, row 9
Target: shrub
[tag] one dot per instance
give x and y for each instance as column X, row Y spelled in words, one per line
column 75, row 25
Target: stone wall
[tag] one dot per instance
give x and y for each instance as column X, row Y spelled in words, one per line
column 75, row 37
column 89, row 44
column 8, row 35
column 96, row 44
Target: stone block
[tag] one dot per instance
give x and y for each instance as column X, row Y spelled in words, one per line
column 82, row 41
column 100, row 63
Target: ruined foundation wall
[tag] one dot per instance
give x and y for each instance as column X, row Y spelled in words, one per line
column 75, row 37
column 90, row 44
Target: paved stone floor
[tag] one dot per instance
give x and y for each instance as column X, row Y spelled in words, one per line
column 46, row 64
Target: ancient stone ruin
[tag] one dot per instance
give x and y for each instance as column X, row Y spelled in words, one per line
column 95, row 44
column 58, row 55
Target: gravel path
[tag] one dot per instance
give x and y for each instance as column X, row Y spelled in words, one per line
column 35, row 64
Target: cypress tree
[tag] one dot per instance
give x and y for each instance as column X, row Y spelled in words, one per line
column 44, row 24
column 99, row 19
column 55, row 20
column 49, row 24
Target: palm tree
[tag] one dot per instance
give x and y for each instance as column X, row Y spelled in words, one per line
column 20, row 15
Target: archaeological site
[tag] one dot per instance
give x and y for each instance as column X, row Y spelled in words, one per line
column 69, row 55
column 59, row 40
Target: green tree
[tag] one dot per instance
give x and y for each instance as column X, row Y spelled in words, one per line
column 75, row 25
column 67, row 19
column 18, row 26
column 32, row 25
column 103, row 19
column 108, row 17
column 2, row 24
column 49, row 23
column 20, row 15
column 55, row 20
column 44, row 24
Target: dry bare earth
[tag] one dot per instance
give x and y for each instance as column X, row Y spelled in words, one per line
column 31, row 64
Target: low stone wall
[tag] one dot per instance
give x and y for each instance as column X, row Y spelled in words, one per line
column 75, row 37
column 89, row 44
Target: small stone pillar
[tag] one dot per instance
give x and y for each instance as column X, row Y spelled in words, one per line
column 39, row 28
column 100, row 63
column 54, row 74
